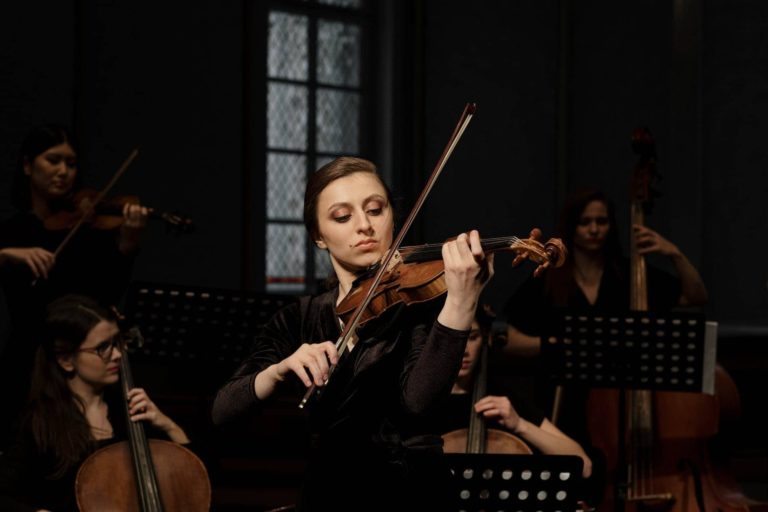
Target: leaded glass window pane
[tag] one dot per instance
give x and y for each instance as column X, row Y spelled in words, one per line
column 287, row 46
column 354, row 4
column 337, row 121
column 338, row 58
column 287, row 116
column 285, row 256
column 286, row 179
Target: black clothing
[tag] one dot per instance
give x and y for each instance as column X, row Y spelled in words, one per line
column 372, row 446
column 90, row 265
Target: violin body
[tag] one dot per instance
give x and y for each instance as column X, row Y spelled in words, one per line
column 106, row 480
column 496, row 441
column 417, row 274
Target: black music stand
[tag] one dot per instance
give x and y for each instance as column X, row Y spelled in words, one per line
column 203, row 332
column 511, row 483
column 633, row 350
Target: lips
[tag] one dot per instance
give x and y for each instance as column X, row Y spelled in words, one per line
column 368, row 242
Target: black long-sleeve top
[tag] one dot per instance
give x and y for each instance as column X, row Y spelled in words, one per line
column 371, row 437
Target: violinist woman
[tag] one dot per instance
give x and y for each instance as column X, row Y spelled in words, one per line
column 523, row 419
column 95, row 263
column 372, row 448
column 74, row 408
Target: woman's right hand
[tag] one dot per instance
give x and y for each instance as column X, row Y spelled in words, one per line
column 37, row 259
column 310, row 363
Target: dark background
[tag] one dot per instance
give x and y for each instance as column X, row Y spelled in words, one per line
column 560, row 86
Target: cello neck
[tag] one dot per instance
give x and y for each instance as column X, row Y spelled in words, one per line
column 477, row 429
column 144, row 469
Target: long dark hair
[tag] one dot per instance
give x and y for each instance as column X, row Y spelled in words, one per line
column 36, row 142
column 55, row 414
column 558, row 281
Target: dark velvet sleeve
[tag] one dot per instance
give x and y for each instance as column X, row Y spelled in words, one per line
column 432, row 365
column 279, row 338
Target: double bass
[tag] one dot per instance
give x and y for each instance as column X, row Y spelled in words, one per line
column 140, row 474
column 667, row 461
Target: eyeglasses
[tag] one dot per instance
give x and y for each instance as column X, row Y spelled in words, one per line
column 105, row 348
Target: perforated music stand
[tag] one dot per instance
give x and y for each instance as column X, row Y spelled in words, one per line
column 634, row 350
column 511, row 483
column 198, row 328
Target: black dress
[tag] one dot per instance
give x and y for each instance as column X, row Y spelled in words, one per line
column 373, row 446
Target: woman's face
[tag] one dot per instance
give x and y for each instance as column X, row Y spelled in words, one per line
column 52, row 172
column 592, row 229
column 97, row 361
column 471, row 351
column 354, row 221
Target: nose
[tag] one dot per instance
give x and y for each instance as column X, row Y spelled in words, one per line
column 364, row 224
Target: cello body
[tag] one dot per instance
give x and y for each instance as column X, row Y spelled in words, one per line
column 106, row 480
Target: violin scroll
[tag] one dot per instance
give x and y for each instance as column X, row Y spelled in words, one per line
column 550, row 254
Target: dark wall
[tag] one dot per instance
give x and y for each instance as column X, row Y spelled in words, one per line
column 500, row 179
column 147, row 74
column 172, row 81
column 692, row 72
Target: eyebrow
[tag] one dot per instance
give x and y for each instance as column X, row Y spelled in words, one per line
column 367, row 200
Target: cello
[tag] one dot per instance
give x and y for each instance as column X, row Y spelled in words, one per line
column 668, row 464
column 478, row 438
column 139, row 474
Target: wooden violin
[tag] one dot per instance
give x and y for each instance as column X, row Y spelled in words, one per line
column 108, row 213
column 416, row 274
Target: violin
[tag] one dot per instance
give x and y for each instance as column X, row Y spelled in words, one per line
column 107, row 214
column 139, row 474
column 416, row 274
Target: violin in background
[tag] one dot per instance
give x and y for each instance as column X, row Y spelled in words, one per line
column 107, row 214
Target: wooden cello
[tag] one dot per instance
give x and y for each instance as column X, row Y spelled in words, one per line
column 668, row 464
column 478, row 438
column 139, row 474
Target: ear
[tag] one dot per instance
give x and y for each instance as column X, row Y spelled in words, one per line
column 321, row 244
column 66, row 362
column 27, row 166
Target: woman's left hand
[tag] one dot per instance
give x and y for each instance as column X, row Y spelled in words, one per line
column 140, row 407
column 135, row 216
column 499, row 407
column 649, row 241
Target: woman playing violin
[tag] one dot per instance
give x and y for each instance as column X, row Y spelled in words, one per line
column 372, row 447
column 95, row 263
column 74, row 407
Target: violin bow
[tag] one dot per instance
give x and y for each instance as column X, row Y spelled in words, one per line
column 351, row 327
column 128, row 161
